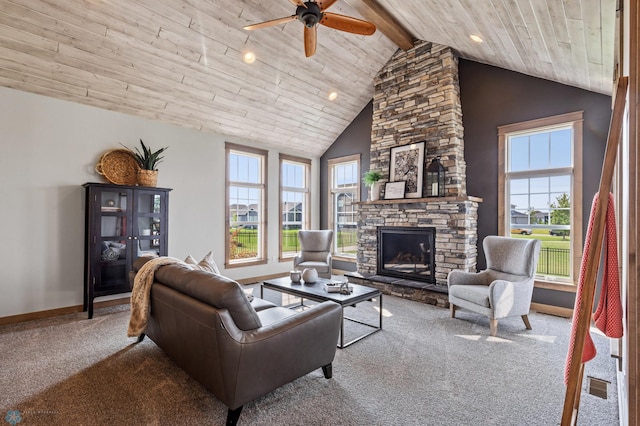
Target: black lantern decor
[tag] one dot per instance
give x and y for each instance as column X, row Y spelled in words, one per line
column 434, row 186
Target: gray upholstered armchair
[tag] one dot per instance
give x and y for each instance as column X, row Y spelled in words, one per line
column 315, row 251
column 505, row 288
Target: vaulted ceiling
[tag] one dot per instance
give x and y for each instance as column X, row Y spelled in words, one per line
column 181, row 61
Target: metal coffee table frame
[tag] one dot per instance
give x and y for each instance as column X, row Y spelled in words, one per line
column 317, row 293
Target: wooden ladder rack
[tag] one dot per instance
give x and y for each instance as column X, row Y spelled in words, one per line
column 585, row 308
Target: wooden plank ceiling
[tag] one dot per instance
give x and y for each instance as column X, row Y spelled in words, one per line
column 180, row 61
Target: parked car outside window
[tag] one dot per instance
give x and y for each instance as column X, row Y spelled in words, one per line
column 521, row 231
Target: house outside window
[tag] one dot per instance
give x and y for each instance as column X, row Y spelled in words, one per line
column 344, row 186
column 294, row 202
column 539, row 192
column 246, row 201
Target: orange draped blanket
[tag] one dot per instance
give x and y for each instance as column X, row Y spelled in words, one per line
column 608, row 315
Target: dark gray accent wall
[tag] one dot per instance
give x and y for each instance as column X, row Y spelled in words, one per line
column 493, row 97
column 356, row 139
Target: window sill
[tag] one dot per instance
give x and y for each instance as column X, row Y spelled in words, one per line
column 242, row 264
column 557, row 286
column 344, row 258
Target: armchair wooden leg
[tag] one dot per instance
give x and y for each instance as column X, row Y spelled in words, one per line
column 233, row 416
column 327, row 370
column 452, row 309
column 527, row 324
column 493, row 327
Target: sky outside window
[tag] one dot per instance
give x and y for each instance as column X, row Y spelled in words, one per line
column 539, row 151
column 293, row 175
column 544, row 150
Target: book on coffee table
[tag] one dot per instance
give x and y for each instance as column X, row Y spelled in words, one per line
column 336, row 287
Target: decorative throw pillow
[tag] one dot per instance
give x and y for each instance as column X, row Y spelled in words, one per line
column 206, row 264
column 191, row 261
column 209, row 265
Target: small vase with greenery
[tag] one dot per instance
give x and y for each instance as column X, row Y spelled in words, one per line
column 148, row 162
column 370, row 180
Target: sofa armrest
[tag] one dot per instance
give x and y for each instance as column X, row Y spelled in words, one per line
column 259, row 361
column 326, row 315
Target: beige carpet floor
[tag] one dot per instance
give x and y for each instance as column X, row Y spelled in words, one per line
column 424, row 368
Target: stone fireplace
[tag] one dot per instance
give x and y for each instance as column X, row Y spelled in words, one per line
column 417, row 99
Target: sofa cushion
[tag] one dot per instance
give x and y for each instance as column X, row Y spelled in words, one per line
column 216, row 290
column 261, row 304
column 275, row 314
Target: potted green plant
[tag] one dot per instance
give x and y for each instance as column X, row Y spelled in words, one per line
column 370, row 180
column 148, row 162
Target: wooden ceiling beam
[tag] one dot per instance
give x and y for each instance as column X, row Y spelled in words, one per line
column 372, row 11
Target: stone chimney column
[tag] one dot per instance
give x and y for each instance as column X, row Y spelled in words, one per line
column 417, row 98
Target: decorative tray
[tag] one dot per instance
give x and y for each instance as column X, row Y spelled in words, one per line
column 119, row 166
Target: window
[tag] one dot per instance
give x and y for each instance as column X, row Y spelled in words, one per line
column 246, row 200
column 540, row 195
column 344, row 184
column 294, row 202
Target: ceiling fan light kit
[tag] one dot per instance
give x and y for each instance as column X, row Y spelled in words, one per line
column 312, row 13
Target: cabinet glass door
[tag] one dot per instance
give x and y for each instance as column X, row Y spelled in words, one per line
column 114, row 238
column 149, row 202
column 113, row 201
column 148, row 222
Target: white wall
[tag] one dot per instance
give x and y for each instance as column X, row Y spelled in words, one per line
column 49, row 148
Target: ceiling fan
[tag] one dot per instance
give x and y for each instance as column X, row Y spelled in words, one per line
column 312, row 13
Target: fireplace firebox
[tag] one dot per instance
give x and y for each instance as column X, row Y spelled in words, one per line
column 407, row 252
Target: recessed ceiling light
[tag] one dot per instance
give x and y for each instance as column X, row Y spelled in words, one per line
column 249, row 57
column 333, row 96
column 476, row 38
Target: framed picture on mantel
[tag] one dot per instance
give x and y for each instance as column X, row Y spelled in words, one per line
column 394, row 190
column 406, row 164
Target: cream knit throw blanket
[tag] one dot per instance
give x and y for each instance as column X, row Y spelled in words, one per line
column 141, row 294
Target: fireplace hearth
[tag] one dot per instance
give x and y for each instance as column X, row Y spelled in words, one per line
column 407, row 252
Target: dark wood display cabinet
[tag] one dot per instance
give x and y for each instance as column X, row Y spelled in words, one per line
column 121, row 223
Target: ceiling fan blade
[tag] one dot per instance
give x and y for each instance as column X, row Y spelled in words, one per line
column 272, row 22
column 310, row 39
column 299, row 3
column 326, row 4
column 348, row 24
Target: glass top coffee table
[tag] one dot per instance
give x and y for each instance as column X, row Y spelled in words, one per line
column 317, row 293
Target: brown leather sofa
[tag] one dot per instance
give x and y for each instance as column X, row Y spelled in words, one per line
column 237, row 349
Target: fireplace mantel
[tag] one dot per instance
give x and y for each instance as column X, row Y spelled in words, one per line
column 423, row 200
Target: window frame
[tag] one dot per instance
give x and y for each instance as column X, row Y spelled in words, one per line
column 575, row 121
column 262, row 224
column 306, row 199
column 332, row 163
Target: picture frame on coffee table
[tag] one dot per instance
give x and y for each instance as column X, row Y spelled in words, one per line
column 407, row 164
